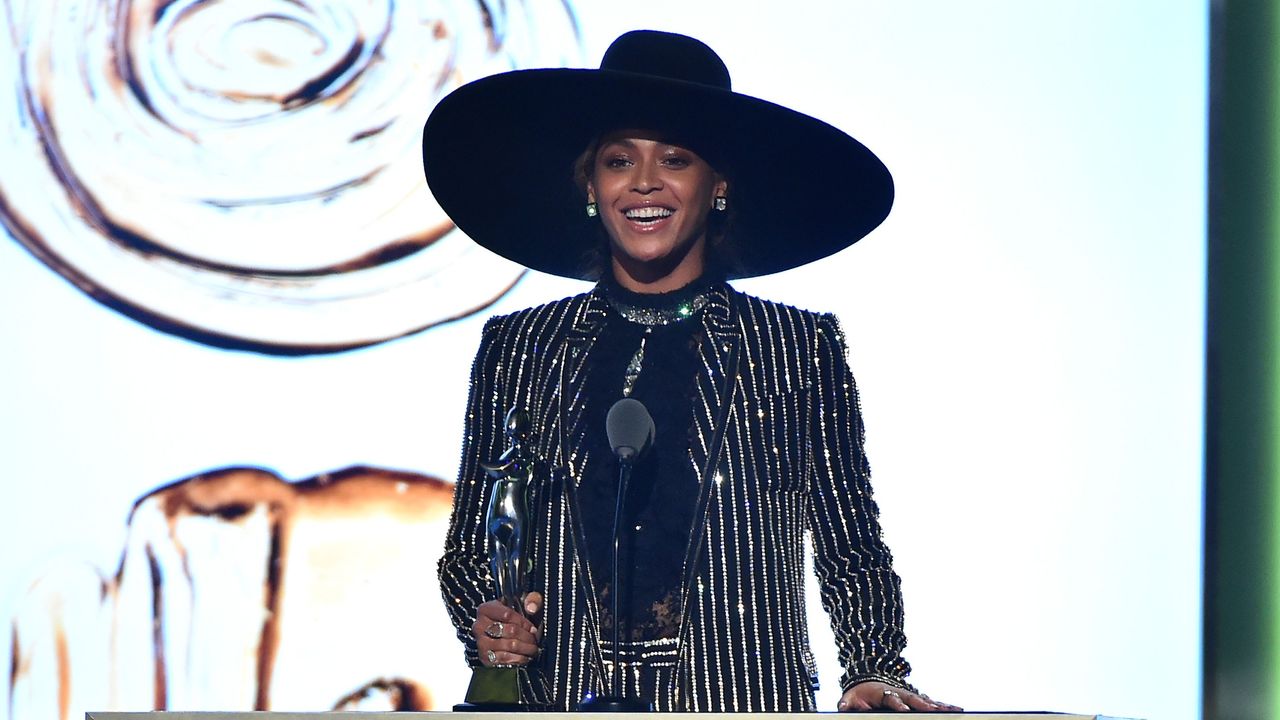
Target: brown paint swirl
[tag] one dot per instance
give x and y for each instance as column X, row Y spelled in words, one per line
column 248, row 174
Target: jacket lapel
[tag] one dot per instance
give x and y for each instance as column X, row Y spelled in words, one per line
column 713, row 401
column 580, row 337
column 571, row 453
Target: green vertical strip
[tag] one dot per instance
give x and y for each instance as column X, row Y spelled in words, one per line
column 1270, row 310
column 1270, row 197
column 1242, row 444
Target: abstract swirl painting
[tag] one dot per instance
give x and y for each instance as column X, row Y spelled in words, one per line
column 248, row 173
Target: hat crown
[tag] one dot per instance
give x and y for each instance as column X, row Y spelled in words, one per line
column 667, row 55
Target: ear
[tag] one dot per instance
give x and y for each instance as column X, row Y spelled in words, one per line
column 721, row 188
column 591, row 192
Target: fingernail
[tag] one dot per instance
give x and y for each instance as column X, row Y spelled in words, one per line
column 531, row 607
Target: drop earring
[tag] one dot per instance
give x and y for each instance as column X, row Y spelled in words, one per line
column 720, row 203
column 592, row 209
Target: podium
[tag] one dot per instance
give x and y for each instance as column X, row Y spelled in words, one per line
column 238, row 715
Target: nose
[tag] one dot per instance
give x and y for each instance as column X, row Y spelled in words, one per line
column 647, row 178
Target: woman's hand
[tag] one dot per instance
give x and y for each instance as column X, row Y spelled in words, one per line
column 873, row 695
column 506, row 637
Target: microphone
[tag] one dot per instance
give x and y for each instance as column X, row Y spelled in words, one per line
column 630, row 429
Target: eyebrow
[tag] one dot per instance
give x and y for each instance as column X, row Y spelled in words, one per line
column 667, row 148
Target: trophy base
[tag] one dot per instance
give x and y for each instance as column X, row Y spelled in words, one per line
column 496, row 689
column 604, row 703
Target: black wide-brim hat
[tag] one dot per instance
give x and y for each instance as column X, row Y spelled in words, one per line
column 499, row 154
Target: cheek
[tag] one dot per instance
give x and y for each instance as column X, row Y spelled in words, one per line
column 611, row 223
column 701, row 191
column 607, row 189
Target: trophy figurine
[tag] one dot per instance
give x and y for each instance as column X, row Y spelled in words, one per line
column 509, row 687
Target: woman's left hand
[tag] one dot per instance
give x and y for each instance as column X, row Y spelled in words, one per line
column 874, row 695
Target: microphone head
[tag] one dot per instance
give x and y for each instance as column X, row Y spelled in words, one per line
column 630, row 429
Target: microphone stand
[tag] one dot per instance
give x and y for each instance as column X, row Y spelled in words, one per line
column 616, row 701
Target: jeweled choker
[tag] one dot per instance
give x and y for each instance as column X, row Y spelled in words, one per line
column 659, row 308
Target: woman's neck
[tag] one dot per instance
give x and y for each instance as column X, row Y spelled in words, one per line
column 645, row 279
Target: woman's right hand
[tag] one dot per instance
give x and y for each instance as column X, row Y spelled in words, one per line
column 504, row 636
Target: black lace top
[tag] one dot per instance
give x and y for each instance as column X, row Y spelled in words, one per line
column 652, row 357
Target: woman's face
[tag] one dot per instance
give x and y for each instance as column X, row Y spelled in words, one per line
column 654, row 198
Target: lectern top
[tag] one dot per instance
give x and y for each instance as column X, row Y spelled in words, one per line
column 240, row 715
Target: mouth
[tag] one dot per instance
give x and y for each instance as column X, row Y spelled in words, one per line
column 648, row 215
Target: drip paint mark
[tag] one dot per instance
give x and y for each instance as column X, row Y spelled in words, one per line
column 64, row 670
column 160, row 701
column 15, row 655
column 270, row 641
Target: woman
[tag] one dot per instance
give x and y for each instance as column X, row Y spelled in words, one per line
column 652, row 177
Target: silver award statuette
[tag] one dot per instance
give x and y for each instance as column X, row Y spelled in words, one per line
column 509, row 687
column 508, row 518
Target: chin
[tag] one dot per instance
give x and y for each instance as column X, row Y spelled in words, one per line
column 644, row 253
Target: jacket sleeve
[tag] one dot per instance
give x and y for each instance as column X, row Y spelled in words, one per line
column 859, row 588
column 465, row 578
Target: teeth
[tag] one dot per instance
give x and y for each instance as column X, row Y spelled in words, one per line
column 647, row 213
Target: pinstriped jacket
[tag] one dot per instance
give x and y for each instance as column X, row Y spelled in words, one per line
column 778, row 451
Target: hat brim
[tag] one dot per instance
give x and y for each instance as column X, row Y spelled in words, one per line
column 498, row 155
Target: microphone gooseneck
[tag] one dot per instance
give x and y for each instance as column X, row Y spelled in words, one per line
column 631, row 431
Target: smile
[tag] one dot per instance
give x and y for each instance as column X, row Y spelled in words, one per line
column 648, row 214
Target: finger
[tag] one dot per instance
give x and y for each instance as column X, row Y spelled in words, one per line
column 499, row 636
column 892, row 700
column 918, row 702
column 522, row 648
column 509, row 646
column 533, row 603
column 497, row 612
column 852, row 701
column 498, row 630
column 488, row 625
column 938, row 705
column 504, row 658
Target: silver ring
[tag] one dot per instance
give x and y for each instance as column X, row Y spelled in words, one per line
column 887, row 693
column 492, row 657
column 489, row 630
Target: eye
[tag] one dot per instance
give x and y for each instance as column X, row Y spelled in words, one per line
column 616, row 161
column 676, row 161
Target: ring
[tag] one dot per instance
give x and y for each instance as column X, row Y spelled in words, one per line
column 887, row 693
column 489, row 630
column 492, row 657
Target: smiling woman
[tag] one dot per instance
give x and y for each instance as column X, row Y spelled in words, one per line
column 758, row 436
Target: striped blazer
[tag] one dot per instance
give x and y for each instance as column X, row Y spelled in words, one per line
column 778, row 452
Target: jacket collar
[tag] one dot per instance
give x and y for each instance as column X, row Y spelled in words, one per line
column 719, row 347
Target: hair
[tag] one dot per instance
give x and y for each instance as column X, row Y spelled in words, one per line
column 721, row 256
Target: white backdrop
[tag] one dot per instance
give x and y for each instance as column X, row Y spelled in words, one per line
column 1026, row 329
